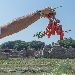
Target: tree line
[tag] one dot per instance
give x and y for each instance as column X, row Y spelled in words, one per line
column 19, row 45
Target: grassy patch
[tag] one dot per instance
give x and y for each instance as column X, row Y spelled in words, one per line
column 42, row 66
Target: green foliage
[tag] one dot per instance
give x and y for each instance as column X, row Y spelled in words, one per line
column 42, row 66
column 37, row 44
column 65, row 66
column 19, row 45
column 67, row 42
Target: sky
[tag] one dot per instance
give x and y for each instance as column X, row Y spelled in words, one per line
column 11, row 9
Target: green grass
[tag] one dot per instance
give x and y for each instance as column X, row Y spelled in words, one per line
column 41, row 66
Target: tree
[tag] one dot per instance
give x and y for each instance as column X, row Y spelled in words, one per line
column 19, row 45
column 37, row 44
column 67, row 42
column 52, row 43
